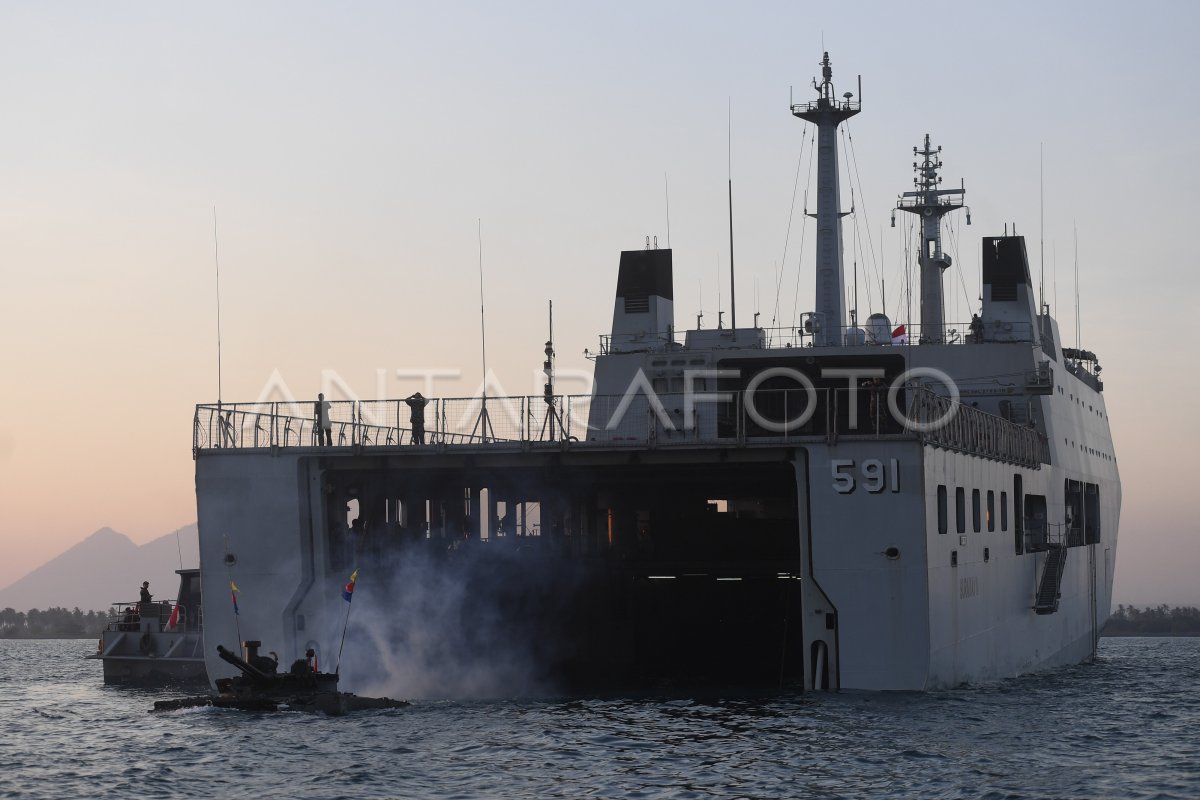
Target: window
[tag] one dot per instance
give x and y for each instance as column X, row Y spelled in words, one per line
column 1004, row 511
column 1035, row 521
column 1073, row 510
column 1091, row 513
column 1018, row 516
column 991, row 511
column 960, row 508
column 975, row 510
column 941, row 509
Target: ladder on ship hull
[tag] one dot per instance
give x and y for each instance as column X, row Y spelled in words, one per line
column 1051, row 582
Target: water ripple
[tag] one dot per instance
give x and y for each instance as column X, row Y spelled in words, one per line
column 1121, row 727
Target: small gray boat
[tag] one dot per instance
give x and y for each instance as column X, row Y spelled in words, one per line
column 155, row 643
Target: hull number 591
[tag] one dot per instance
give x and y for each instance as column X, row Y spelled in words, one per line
column 873, row 474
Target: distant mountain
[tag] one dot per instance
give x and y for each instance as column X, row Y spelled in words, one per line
column 104, row 568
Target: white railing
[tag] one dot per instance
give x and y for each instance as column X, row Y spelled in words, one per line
column 862, row 335
column 736, row 418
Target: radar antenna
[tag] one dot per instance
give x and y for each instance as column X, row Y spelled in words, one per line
column 930, row 204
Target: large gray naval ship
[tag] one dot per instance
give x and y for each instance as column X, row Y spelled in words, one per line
column 906, row 504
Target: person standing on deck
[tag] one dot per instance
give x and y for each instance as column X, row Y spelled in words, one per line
column 322, row 421
column 416, row 403
column 144, row 600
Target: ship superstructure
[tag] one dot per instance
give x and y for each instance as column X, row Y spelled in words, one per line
column 827, row 506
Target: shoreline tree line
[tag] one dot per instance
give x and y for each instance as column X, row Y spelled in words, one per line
column 53, row 623
column 1160, row 620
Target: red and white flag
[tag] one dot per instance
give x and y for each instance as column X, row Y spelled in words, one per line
column 900, row 336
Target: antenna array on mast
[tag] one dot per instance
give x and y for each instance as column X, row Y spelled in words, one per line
column 931, row 203
column 827, row 112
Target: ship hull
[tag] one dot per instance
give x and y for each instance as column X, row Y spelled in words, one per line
column 675, row 566
column 151, row 657
column 136, row 671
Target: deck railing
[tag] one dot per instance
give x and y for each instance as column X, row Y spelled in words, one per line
column 129, row 615
column 970, row 430
column 910, row 334
column 734, row 418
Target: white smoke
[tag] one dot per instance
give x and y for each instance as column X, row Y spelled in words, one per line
column 479, row 621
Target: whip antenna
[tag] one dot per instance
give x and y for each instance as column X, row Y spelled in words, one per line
column 217, row 266
column 483, row 424
column 1075, row 234
column 732, row 289
column 1042, row 229
column 667, row 197
column 482, row 320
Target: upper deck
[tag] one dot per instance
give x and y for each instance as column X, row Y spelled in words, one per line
column 880, row 334
column 635, row 420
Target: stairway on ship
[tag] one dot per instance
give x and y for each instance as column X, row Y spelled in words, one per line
column 1051, row 582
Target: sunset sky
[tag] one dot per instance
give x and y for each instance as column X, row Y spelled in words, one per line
column 350, row 151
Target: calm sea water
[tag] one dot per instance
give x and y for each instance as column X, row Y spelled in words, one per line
column 1125, row 727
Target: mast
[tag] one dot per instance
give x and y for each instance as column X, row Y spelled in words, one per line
column 930, row 204
column 827, row 112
